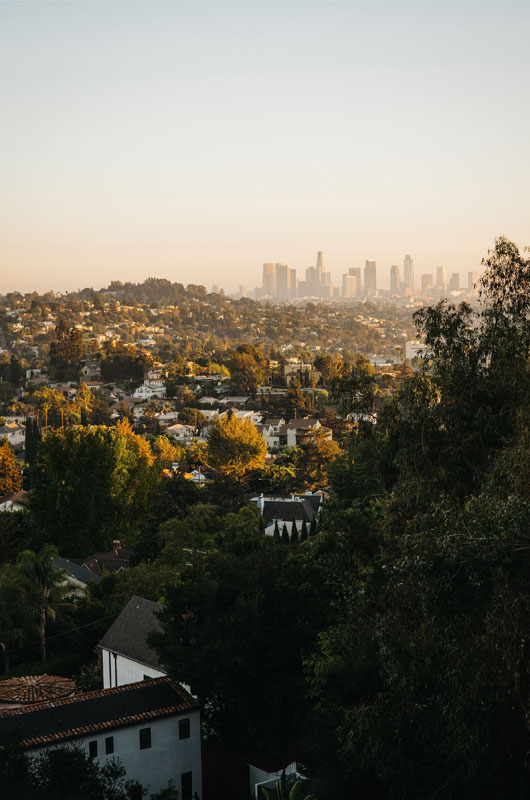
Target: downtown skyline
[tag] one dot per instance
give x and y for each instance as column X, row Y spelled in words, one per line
column 199, row 139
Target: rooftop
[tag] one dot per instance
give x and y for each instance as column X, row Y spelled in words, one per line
column 128, row 633
column 32, row 689
column 94, row 712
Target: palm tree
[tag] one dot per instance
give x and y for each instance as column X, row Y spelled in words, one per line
column 287, row 791
column 46, row 587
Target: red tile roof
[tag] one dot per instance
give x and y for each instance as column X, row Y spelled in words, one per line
column 35, row 689
column 95, row 712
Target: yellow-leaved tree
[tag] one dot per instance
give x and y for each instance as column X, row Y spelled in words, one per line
column 235, row 447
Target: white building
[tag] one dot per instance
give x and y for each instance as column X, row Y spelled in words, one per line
column 152, row 728
column 125, row 655
column 14, row 433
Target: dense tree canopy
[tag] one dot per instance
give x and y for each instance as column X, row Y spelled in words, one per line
column 89, row 483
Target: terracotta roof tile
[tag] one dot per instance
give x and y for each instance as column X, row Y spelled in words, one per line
column 94, row 712
column 32, row 689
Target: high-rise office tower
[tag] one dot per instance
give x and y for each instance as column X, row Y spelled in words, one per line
column 426, row 284
column 472, row 279
column 291, row 282
column 394, row 279
column 408, row 273
column 242, row 290
column 370, row 279
column 282, row 281
column 349, row 285
column 320, row 267
column 356, row 272
column 269, row 279
column 454, row 283
column 440, row 277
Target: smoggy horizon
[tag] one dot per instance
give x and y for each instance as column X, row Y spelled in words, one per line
column 195, row 141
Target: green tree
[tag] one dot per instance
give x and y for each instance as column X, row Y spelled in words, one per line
column 43, row 585
column 88, row 483
column 10, row 477
column 235, row 447
column 254, row 615
column 63, row 773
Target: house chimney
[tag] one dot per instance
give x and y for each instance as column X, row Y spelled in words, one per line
column 116, row 544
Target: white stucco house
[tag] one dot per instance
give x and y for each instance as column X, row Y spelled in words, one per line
column 14, row 433
column 151, row 727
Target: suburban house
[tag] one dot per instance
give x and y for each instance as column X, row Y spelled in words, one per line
column 296, row 431
column 125, row 655
column 284, row 510
column 183, row 433
column 270, row 430
column 76, row 575
column 152, row 727
column 14, row 433
column 114, row 561
column 90, row 371
column 154, row 385
column 13, row 502
column 296, row 370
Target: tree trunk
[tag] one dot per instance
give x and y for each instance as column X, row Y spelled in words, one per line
column 42, row 633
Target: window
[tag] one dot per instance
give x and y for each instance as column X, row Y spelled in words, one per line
column 145, row 738
column 109, row 745
column 93, row 749
column 184, row 728
column 186, row 785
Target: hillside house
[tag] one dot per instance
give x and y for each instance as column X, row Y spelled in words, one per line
column 90, row 371
column 286, row 509
column 152, row 727
column 297, row 431
column 14, row 433
column 125, row 655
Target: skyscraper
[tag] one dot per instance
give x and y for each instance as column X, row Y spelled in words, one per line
column 320, row 267
column 291, row 283
column 394, row 279
column 472, row 279
column 349, row 285
column 454, row 283
column 269, row 279
column 282, row 281
column 370, row 279
column 242, row 290
column 356, row 273
column 408, row 273
column 440, row 277
column 426, row 284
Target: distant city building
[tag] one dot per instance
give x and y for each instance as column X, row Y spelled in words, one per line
column 317, row 281
column 242, row 290
column 426, row 284
column 440, row 277
column 395, row 281
column 454, row 283
column 408, row 273
column 269, row 279
column 370, row 279
column 282, row 281
column 472, row 279
column 292, row 283
column 349, row 285
column 356, row 273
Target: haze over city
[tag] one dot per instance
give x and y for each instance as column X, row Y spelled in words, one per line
column 195, row 141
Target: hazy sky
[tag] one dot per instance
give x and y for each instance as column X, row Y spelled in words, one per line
column 196, row 140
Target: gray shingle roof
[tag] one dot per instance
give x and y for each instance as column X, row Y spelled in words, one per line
column 288, row 510
column 128, row 633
